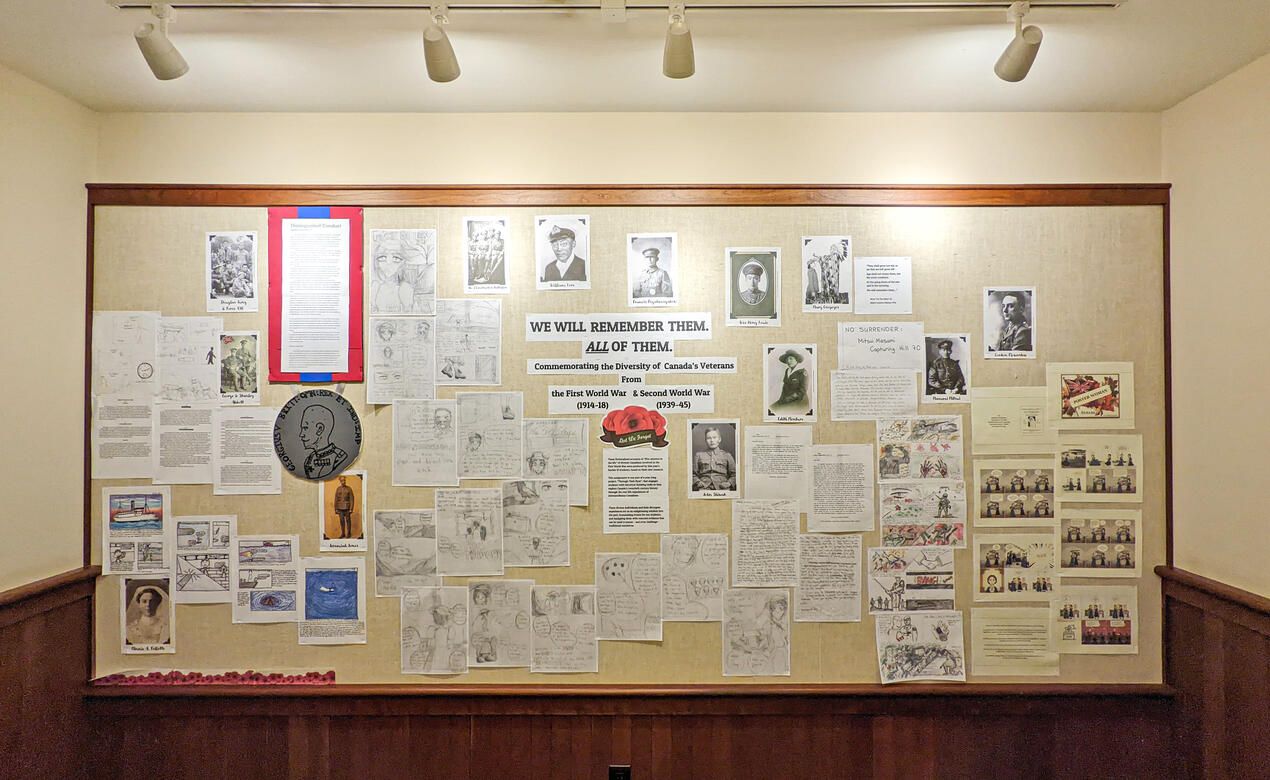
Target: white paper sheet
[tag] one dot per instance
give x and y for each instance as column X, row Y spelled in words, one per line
column 1097, row 620
column 827, row 274
column 424, row 443
column 841, row 488
column 1011, row 421
column 920, row 646
column 1013, row 493
column 334, row 589
column 490, row 435
column 405, row 551
column 233, row 278
column 871, row 345
column 911, row 579
column 828, row 589
column 243, row 459
column 147, row 614
column 1013, row 641
column 869, row 394
column 924, row 447
column 469, row 342
column 1015, row 567
column 1099, row 542
column 400, row 359
column 883, row 285
column 264, row 574
column 315, row 295
column 536, row 522
column 778, row 462
column 755, row 632
column 1100, row 468
column 403, row 272
column 499, row 623
column 564, row 629
column 136, row 534
column 636, row 491
column 556, row 448
column 486, row 258
column 694, row 572
column 188, row 369
column 183, row 444
column 628, row 596
column 923, row 513
column 764, row 543
column 434, row 630
column 124, row 383
column 469, row 532
column 203, row 547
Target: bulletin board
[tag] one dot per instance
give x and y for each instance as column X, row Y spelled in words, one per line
column 1096, row 254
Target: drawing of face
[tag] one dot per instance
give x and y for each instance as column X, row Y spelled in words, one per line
column 441, row 419
column 1010, row 310
column 385, row 331
column 315, row 426
column 713, row 439
column 538, row 463
column 389, row 258
column 562, row 248
column 778, row 608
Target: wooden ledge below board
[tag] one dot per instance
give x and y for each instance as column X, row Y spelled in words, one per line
column 989, row 700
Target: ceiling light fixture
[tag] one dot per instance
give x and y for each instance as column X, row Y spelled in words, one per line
column 438, row 54
column 1018, row 57
column 164, row 60
column 677, row 60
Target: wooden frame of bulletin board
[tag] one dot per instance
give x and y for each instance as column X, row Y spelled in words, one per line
column 1098, row 255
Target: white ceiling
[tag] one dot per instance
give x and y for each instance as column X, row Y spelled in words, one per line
column 1145, row 55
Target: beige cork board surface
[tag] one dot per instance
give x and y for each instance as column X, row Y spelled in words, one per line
column 1099, row 276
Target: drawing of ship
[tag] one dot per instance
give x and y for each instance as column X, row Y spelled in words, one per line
column 137, row 512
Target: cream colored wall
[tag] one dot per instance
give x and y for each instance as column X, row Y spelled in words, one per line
column 629, row 148
column 1217, row 154
column 48, row 149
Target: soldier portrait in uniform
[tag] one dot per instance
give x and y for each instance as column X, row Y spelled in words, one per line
column 714, row 458
column 562, row 248
column 947, row 376
column 753, row 287
column 485, row 255
column 652, row 269
column 1009, row 321
column 342, row 512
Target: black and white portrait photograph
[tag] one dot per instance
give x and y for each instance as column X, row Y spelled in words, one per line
column 239, row 361
column 652, row 269
column 753, row 286
column 789, row 383
column 232, row 273
column 947, row 377
column 485, row 255
column 562, row 251
column 826, row 273
column 147, row 615
column 1009, row 322
column 714, row 455
column 403, row 271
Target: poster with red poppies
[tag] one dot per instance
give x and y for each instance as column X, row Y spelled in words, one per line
column 632, row 426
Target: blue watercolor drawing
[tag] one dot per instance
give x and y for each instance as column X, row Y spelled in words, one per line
column 330, row 594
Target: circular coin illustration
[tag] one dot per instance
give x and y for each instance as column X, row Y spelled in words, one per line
column 317, row 435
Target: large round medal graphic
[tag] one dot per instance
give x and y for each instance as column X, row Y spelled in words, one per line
column 317, row 435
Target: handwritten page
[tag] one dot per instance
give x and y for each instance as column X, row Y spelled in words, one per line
column 764, row 543
column 828, row 589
